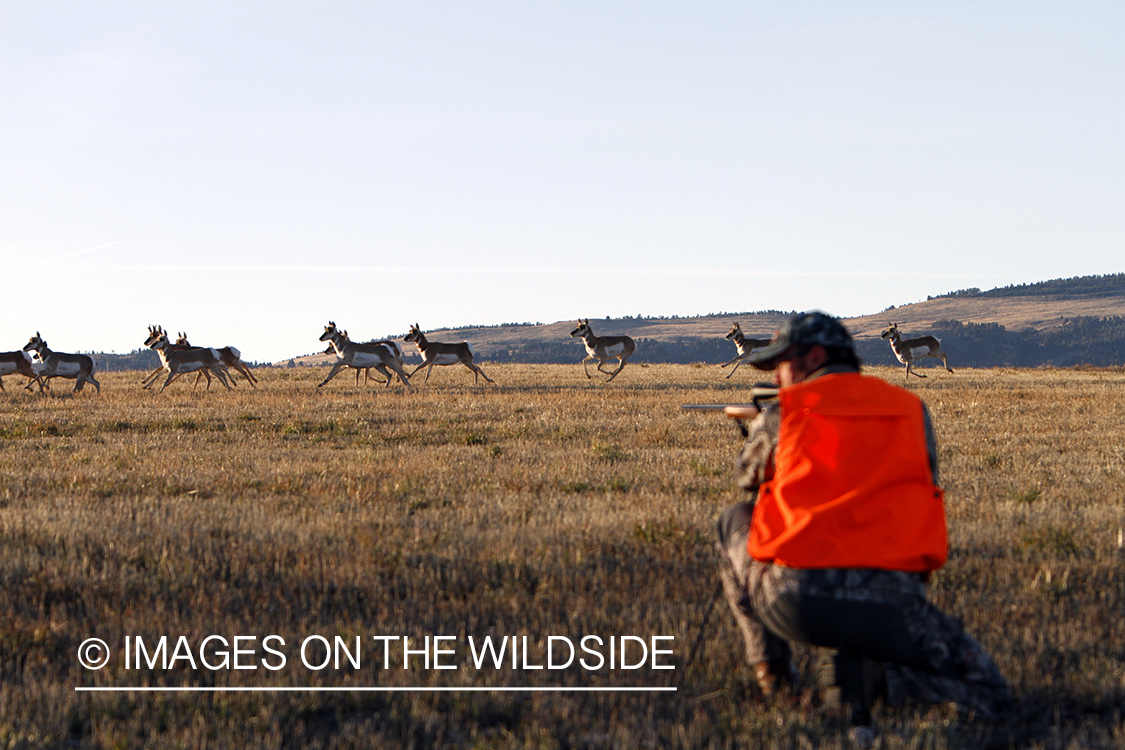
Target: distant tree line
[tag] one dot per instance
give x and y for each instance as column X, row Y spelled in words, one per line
column 1097, row 341
column 674, row 351
column 138, row 359
column 1076, row 286
column 1093, row 341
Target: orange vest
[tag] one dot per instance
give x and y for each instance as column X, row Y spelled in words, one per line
column 852, row 484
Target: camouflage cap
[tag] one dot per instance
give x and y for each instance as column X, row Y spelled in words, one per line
column 803, row 330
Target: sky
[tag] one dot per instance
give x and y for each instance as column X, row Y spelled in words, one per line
column 247, row 171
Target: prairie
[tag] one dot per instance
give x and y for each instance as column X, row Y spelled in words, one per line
column 546, row 505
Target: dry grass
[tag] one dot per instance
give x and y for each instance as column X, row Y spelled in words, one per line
column 545, row 505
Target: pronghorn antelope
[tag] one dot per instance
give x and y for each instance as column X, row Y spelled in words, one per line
column 365, row 370
column 19, row 362
column 396, row 352
column 434, row 353
column 62, row 365
column 744, row 346
column 603, row 348
column 179, row 361
column 154, row 333
column 229, row 356
column 379, row 356
column 909, row 350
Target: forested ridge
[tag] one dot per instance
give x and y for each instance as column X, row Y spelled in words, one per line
column 1099, row 342
column 1076, row 286
column 1078, row 341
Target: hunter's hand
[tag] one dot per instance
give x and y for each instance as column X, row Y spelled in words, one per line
column 741, row 411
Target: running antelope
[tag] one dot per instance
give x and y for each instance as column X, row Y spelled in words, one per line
column 434, row 353
column 229, row 356
column 396, row 352
column 379, row 356
column 179, row 361
column 154, row 333
column 603, row 348
column 909, row 350
column 744, row 346
column 80, row 367
column 365, row 370
column 19, row 362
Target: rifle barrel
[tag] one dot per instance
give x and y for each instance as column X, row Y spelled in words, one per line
column 711, row 407
column 761, row 392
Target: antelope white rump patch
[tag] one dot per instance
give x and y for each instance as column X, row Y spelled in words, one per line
column 614, row 350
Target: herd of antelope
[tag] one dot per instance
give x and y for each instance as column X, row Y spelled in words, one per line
column 385, row 357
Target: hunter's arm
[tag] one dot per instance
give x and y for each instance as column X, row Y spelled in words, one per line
column 755, row 460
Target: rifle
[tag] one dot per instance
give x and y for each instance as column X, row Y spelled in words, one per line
column 759, row 394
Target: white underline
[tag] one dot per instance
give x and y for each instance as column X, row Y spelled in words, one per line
column 375, row 689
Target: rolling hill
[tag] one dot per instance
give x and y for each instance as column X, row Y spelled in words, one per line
column 1063, row 322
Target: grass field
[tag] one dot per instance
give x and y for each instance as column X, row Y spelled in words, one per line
column 546, row 505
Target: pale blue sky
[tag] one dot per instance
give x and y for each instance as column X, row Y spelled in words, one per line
column 246, row 171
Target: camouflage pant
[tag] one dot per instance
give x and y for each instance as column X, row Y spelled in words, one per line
column 870, row 617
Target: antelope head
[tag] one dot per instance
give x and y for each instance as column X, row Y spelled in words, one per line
column 36, row 342
column 154, row 333
column 891, row 332
column 734, row 331
column 414, row 335
column 330, row 331
column 158, row 340
column 582, row 329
